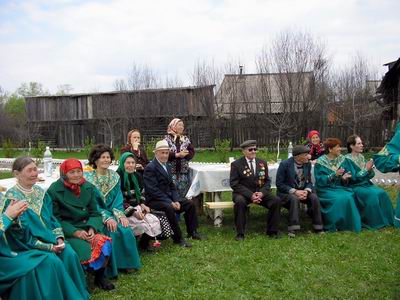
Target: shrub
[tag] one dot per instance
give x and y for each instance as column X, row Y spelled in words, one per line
column 8, row 148
column 222, row 147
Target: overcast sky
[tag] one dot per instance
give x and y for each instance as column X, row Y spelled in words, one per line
column 89, row 44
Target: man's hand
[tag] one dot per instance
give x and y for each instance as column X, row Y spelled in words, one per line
column 255, row 198
column 176, row 205
column 302, row 195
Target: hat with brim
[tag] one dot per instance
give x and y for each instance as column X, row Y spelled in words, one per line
column 248, row 143
column 299, row 149
column 161, row 145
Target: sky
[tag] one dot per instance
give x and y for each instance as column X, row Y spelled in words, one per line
column 90, row 44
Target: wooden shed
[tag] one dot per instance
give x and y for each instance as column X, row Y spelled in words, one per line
column 66, row 121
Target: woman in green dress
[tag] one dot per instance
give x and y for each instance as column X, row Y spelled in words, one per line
column 373, row 203
column 30, row 274
column 388, row 160
column 38, row 228
column 75, row 206
column 338, row 207
column 125, row 254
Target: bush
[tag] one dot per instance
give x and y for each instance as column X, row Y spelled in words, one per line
column 222, row 147
column 8, row 148
column 38, row 152
column 149, row 147
column 87, row 145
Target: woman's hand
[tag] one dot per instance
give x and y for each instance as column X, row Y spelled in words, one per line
column 145, row 208
column 124, row 221
column 369, row 165
column 138, row 215
column 112, row 225
column 340, row 172
column 81, row 234
column 346, row 176
column 90, row 234
column 139, row 167
column 16, row 208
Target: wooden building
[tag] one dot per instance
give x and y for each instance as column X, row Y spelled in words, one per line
column 66, row 121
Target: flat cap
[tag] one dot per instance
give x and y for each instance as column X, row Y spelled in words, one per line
column 248, row 143
column 299, row 149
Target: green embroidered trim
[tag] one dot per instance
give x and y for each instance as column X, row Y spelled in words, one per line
column 333, row 165
column 34, row 197
column 104, row 183
column 359, row 160
column 118, row 214
column 384, row 151
column 58, row 232
column 43, row 246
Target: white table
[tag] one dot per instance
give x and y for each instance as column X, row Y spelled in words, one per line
column 212, row 179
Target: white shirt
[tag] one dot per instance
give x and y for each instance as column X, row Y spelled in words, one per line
column 252, row 164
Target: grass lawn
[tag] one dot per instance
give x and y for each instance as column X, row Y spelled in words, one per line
column 341, row 265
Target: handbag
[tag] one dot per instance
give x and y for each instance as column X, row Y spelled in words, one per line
column 166, row 230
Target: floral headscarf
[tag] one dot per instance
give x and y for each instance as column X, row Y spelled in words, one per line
column 172, row 129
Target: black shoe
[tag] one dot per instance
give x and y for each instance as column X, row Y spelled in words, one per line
column 273, row 235
column 183, row 243
column 197, row 236
column 239, row 237
column 104, row 284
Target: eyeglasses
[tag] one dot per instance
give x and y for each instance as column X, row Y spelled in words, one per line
column 252, row 149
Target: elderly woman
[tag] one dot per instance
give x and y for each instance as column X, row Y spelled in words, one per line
column 181, row 151
column 75, row 206
column 388, row 160
column 315, row 145
column 125, row 253
column 140, row 219
column 38, row 228
column 30, row 274
column 338, row 206
column 373, row 203
column 133, row 146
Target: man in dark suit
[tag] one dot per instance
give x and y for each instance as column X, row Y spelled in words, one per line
column 161, row 195
column 294, row 184
column 250, row 184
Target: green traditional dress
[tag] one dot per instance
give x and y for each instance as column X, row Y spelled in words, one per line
column 77, row 213
column 373, row 203
column 32, row 274
column 338, row 207
column 388, row 160
column 39, row 229
column 110, row 202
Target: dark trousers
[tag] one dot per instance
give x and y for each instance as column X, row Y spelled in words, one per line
column 292, row 203
column 269, row 201
column 190, row 216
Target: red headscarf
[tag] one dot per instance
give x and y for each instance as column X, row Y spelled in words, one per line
column 65, row 167
column 311, row 133
column 314, row 149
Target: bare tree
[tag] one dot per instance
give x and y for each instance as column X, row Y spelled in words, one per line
column 352, row 103
column 293, row 88
column 64, row 89
column 120, row 85
column 142, row 77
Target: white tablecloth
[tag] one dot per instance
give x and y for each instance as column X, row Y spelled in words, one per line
column 214, row 177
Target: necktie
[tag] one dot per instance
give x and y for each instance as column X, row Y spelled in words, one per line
column 251, row 166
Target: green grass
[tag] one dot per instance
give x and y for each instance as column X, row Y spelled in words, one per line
column 341, row 265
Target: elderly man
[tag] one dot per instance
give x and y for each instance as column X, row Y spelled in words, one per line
column 293, row 181
column 161, row 195
column 251, row 184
